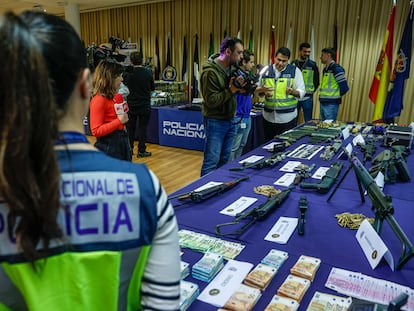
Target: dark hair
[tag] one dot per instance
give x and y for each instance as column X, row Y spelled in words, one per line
column 29, row 174
column 62, row 49
column 229, row 42
column 304, row 45
column 136, row 58
column 246, row 56
column 284, row 51
column 104, row 77
column 329, row 51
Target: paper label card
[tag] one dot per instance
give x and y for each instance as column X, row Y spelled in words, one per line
column 271, row 146
column 225, row 283
column 320, row 172
column 286, row 180
column 251, row 159
column 208, row 185
column 358, row 140
column 345, row 132
column 372, row 245
column 238, row 206
column 380, row 180
column 290, row 166
column 282, row 230
column 344, row 154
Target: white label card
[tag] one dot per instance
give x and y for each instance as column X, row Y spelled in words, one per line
column 372, row 245
column 225, row 283
column 358, row 140
column 380, row 180
column 345, row 132
column 251, row 159
column 271, row 146
column 282, row 230
column 238, row 206
column 348, row 150
column 208, row 185
column 290, row 166
column 320, row 172
column 286, row 180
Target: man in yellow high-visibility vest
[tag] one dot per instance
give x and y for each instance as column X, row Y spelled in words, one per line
column 333, row 86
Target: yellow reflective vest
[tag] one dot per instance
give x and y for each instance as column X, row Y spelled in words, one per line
column 280, row 101
column 329, row 86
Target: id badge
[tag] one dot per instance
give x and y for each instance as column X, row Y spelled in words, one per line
column 243, row 125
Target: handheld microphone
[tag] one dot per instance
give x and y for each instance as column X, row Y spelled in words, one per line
column 120, row 105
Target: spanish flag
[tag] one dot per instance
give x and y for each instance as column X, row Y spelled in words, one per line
column 379, row 87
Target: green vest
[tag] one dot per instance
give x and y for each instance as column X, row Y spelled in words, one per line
column 83, row 274
column 329, row 87
column 307, row 73
column 280, row 101
column 308, row 79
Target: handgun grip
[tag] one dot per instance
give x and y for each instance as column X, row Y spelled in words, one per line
column 322, row 187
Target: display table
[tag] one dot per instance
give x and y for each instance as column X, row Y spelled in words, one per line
column 170, row 126
column 323, row 238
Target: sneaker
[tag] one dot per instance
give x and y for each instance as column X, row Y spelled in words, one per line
column 144, row 154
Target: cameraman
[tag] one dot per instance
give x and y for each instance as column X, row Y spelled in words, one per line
column 219, row 104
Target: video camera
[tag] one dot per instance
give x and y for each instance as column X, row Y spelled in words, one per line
column 250, row 79
column 116, row 42
column 97, row 53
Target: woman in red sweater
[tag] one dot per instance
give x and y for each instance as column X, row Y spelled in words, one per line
column 106, row 125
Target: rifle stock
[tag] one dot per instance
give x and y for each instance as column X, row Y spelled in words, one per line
column 327, row 181
column 268, row 161
column 197, row 196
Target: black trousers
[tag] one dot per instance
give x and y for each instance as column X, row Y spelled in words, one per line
column 141, row 120
column 273, row 129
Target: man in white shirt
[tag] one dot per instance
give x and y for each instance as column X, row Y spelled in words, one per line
column 287, row 86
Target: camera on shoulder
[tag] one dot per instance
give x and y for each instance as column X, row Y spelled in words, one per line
column 250, row 79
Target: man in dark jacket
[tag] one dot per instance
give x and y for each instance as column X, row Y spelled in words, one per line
column 310, row 73
column 219, row 103
column 140, row 82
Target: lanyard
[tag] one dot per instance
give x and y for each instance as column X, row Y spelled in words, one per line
column 66, row 138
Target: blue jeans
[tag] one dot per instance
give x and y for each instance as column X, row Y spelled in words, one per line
column 219, row 139
column 307, row 108
column 329, row 111
column 243, row 126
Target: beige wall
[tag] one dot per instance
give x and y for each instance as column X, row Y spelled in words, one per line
column 361, row 27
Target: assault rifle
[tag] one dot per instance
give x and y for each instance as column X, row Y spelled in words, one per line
column 267, row 161
column 383, row 207
column 392, row 164
column 368, row 149
column 197, row 196
column 255, row 214
column 327, row 181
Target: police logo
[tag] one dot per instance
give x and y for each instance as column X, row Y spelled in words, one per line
column 169, row 73
column 214, row 292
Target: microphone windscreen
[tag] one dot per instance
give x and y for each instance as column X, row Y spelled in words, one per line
column 118, row 99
